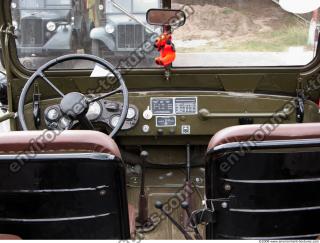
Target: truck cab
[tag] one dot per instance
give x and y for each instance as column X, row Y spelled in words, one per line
column 122, row 26
column 61, row 22
column 190, row 120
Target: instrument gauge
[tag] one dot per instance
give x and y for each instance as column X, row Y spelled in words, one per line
column 131, row 113
column 53, row 114
column 114, row 121
column 94, row 111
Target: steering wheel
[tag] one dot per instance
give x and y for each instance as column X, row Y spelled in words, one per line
column 75, row 105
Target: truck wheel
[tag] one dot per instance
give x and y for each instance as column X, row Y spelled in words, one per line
column 99, row 49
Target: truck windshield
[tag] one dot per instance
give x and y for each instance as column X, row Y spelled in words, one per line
column 133, row 6
column 220, row 33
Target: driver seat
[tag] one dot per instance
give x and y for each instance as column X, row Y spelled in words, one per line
column 62, row 185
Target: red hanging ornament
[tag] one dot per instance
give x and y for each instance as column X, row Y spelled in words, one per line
column 166, row 48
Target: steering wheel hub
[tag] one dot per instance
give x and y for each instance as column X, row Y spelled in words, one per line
column 74, row 105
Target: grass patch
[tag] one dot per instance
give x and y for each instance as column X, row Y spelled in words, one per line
column 227, row 11
column 277, row 41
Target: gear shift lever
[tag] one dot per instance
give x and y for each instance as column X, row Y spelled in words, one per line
column 143, row 221
column 159, row 206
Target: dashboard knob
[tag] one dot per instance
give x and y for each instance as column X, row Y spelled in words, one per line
column 146, row 128
column 147, row 114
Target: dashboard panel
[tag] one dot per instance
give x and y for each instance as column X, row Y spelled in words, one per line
column 182, row 113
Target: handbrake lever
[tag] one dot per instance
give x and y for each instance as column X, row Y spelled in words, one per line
column 185, row 206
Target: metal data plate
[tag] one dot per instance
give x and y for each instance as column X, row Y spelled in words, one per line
column 162, row 106
column 166, row 121
column 174, row 106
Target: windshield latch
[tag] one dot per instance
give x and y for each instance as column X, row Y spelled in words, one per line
column 299, row 102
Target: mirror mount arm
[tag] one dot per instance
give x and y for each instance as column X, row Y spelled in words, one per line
column 167, row 73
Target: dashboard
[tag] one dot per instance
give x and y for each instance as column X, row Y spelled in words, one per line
column 176, row 113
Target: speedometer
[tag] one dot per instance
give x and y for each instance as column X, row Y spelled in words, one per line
column 131, row 113
column 94, row 111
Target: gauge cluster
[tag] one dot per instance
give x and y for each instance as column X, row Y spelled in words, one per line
column 104, row 111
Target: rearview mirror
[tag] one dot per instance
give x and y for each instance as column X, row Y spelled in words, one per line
column 166, row 17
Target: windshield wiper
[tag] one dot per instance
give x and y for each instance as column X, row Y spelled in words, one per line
column 132, row 16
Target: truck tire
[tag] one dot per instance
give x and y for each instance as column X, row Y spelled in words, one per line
column 96, row 48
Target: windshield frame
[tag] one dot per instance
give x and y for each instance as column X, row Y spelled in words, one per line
column 22, row 72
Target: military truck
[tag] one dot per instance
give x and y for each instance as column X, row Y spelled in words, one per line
column 64, row 26
column 122, row 27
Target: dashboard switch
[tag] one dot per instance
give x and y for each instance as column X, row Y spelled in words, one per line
column 160, row 131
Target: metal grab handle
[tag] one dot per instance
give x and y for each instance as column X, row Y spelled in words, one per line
column 7, row 116
column 205, row 114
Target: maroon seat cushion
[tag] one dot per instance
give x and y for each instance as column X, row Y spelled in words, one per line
column 265, row 132
column 57, row 142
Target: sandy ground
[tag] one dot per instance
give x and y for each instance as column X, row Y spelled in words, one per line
column 230, row 23
column 223, row 59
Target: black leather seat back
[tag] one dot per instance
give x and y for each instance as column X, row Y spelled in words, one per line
column 64, row 196
column 264, row 190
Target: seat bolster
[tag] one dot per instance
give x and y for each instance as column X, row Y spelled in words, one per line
column 9, row 237
column 57, row 142
column 266, row 132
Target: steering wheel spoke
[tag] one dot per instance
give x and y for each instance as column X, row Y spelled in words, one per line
column 113, row 92
column 43, row 77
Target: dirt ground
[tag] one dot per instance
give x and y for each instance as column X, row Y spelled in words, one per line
column 223, row 23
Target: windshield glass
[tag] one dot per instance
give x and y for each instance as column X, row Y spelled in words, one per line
column 111, row 8
column 132, row 6
column 216, row 34
column 34, row 4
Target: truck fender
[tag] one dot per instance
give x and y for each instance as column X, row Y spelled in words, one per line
column 101, row 35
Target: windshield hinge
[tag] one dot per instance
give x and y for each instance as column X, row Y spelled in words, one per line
column 36, row 106
column 8, row 30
